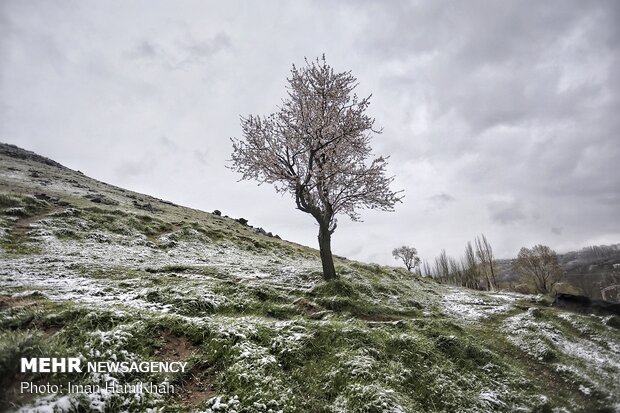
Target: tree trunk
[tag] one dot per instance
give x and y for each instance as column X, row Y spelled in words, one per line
column 493, row 275
column 329, row 272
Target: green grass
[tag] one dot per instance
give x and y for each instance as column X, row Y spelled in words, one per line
column 15, row 211
column 422, row 364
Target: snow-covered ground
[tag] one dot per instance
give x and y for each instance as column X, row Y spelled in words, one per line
column 472, row 306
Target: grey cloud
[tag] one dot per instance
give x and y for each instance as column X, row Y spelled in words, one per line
column 168, row 143
column 7, row 28
column 517, row 96
column 500, row 63
column 441, row 200
column 201, row 156
column 205, row 48
column 181, row 53
column 135, row 167
column 506, row 212
column 145, row 50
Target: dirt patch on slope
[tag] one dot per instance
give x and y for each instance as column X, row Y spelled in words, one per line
column 16, row 302
column 308, row 306
column 175, row 348
column 198, row 386
column 22, row 225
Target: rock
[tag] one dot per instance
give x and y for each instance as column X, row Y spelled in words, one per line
column 613, row 321
column 100, row 199
column 146, row 206
column 217, row 212
column 261, row 231
column 242, row 221
column 77, row 184
column 45, row 197
column 68, row 212
column 99, row 237
column 585, row 304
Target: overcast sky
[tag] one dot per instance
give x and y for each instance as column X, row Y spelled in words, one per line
column 500, row 118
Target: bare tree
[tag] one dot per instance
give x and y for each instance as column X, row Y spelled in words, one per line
column 540, row 266
column 442, row 266
column 426, row 269
column 456, row 271
column 470, row 267
column 485, row 255
column 408, row 255
column 317, row 148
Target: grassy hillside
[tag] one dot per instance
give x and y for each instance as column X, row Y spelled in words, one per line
column 93, row 271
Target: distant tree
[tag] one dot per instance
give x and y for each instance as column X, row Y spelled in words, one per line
column 470, row 267
column 539, row 265
column 408, row 255
column 598, row 251
column 487, row 261
column 426, row 269
column 317, row 148
column 442, row 266
column 456, row 271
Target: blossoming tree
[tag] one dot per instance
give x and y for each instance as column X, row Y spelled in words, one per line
column 317, row 148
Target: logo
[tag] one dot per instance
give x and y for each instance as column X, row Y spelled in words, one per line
column 74, row 365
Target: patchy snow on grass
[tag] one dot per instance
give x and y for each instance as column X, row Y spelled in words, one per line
column 219, row 404
column 289, row 341
column 545, row 341
column 474, row 306
column 51, row 404
column 359, row 364
column 65, row 268
column 491, row 399
column 373, row 397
